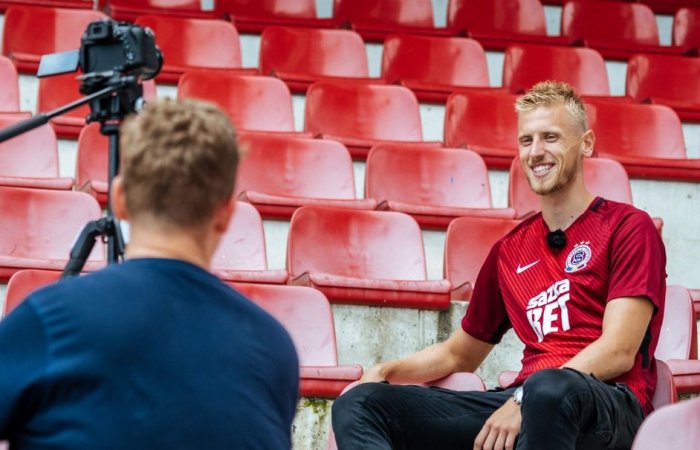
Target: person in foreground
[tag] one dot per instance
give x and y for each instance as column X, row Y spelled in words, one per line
column 154, row 353
column 583, row 286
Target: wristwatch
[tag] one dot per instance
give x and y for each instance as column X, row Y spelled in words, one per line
column 518, row 396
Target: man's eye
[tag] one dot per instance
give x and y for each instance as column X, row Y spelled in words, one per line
column 551, row 137
column 525, row 141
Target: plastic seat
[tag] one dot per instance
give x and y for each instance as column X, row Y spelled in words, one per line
column 362, row 115
column 241, row 255
column 686, row 28
column 446, row 64
column 695, row 294
column 82, row 4
column 9, row 94
column 676, row 426
column 485, row 123
column 499, row 23
column 615, row 29
column 255, row 15
column 195, row 44
column 307, row 316
column 129, row 10
column 314, row 172
column 432, row 185
column 678, row 341
column 41, row 230
column 670, row 80
column 30, row 32
column 301, row 56
column 668, row 6
column 362, row 257
column 646, row 139
column 92, row 163
column 583, row 68
column 23, row 283
column 467, row 244
column 30, row 159
column 251, row 102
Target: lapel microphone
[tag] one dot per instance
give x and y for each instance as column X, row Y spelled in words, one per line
column 556, row 240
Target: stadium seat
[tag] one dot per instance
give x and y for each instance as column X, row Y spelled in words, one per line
column 307, row 316
column 678, row 344
column 615, row 29
column 252, row 102
column 433, row 185
column 485, row 123
column 279, row 174
column 467, row 244
column 499, row 23
column 670, row 80
column 42, row 227
column 695, row 294
column 362, row 115
column 30, row 159
column 675, row 426
column 92, row 165
column 686, row 28
column 82, row 4
column 24, row 282
column 30, row 32
column 253, row 16
column 300, row 56
column 362, row 257
column 9, row 94
column 646, row 139
column 433, row 67
column 129, row 10
column 241, row 255
column 668, row 6
column 583, row 68
column 195, row 44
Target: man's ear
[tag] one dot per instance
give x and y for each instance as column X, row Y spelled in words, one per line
column 222, row 216
column 118, row 199
column 587, row 143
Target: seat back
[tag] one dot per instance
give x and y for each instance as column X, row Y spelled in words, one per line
column 664, row 77
column 251, row 102
column 608, row 23
column 686, row 28
column 363, row 111
column 445, row 61
column 58, row 90
column 31, row 154
column 24, row 283
column 497, row 16
column 676, row 427
column 583, row 68
column 310, row 168
column 427, row 176
column 9, row 94
column 84, row 4
column 678, row 337
column 385, row 13
column 634, row 130
column 242, row 247
column 665, row 392
column 274, row 9
column 93, row 156
column 312, row 52
column 130, row 9
column 305, row 313
column 358, row 244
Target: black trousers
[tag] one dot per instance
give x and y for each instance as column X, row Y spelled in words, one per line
column 562, row 409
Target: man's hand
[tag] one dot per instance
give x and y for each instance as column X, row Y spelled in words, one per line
column 374, row 374
column 501, row 429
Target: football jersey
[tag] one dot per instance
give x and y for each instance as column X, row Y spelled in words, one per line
column 555, row 299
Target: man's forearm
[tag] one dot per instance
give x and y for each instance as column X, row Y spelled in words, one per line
column 602, row 360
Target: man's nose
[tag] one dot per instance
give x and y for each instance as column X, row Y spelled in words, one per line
column 537, row 148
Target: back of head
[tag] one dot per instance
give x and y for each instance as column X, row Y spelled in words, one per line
column 178, row 162
column 549, row 93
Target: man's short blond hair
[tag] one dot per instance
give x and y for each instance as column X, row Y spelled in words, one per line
column 178, row 161
column 548, row 93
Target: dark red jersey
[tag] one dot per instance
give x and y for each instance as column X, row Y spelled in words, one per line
column 555, row 299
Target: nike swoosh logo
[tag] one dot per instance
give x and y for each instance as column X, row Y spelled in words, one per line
column 524, row 268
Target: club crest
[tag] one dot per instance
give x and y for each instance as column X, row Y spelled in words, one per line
column 578, row 257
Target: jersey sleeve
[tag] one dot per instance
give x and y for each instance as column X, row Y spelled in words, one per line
column 23, row 353
column 637, row 260
column 486, row 318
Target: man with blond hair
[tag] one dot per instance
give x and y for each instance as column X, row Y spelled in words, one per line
column 154, row 353
column 582, row 284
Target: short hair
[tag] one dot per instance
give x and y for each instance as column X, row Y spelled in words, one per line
column 547, row 93
column 178, row 161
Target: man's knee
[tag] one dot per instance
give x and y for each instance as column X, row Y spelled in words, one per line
column 548, row 389
column 354, row 401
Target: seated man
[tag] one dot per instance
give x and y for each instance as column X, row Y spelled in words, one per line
column 583, row 286
column 154, row 353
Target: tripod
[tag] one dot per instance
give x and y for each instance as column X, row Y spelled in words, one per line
column 110, row 98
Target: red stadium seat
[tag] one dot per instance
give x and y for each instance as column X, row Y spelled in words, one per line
column 42, row 226
column 130, row 9
column 92, row 166
column 668, row 6
column 82, row 4
column 678, row 341
column 252, row 103
column 195, row 44
column 686, row 28
column 646, row 139
column 695, row 294
column 307, row 316
column 315, row 172
column 485, row 123
column 499, row 23
column 255, row 15
column 362, row 115
column 9, row 94
column 670, row 80
column 23, row 283
column 30, row 159
column 301, row 56
column 375, row 19
column 30, row 32
column 241, row 255
column 362, row 257
column 676, row 426
column 467, row 244
column 432, row 185
column 617, row 30
column 446, row 64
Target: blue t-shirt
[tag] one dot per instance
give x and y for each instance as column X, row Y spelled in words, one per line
column 148, row 354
